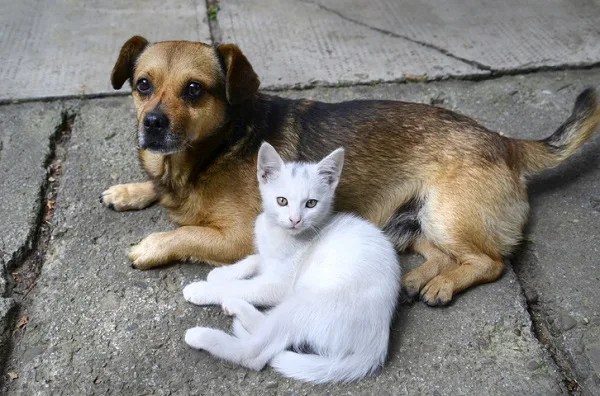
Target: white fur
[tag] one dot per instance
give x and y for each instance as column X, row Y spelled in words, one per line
column 333, row 279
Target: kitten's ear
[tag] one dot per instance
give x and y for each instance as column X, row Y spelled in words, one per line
column 269, row 163
column 330, row 167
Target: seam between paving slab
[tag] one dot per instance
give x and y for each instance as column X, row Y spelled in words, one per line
column 541, row 333
column 541, row 329
column 216, row 36
column 29, row 259
column 320, row 84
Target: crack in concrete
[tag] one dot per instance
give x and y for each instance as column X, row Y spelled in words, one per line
column 216, row 36
column 542, row 334
column 26, row 263
column 541, row 331
column 343, row 84
column 443, row 51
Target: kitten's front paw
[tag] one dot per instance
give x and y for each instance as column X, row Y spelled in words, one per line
column 233, row 306
column 198, row 293
column 198, row 337
column 238, row 330
column 220, row 274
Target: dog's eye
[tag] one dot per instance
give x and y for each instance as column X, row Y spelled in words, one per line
column 143, row 86
column 311, row 203
column 193, row 91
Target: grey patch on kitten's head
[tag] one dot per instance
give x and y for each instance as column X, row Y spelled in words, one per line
column 298, row 183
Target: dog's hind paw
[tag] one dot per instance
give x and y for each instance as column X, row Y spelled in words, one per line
column 438, row 291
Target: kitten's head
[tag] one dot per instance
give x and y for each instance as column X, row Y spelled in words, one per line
column 297, row 196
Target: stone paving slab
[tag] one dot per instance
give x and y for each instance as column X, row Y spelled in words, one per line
column 25, row 134
column 498, row 35
column 68, row 47
column 96, row 326
column 295, row 43
column 311, row 42
column 560, row 266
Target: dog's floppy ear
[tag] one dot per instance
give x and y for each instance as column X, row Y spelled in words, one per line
column 123, row 69
column 241, row 82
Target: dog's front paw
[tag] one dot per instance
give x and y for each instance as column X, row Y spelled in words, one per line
column 199, row 293
column 438, row 291
column 151, row 252
column 199, row 337
column 131, row 196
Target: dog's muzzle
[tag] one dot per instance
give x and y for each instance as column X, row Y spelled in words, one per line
column 155, row 134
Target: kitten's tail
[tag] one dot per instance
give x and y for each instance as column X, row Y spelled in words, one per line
column 320, row 369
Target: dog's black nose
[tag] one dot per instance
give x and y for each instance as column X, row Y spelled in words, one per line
column 156, row 120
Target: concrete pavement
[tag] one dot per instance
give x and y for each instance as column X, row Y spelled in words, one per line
column 89, row 324
column 66, row 47
column 96, row 326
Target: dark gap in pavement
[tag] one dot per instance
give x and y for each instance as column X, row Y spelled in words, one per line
column 493, row 75
column 25, row 266
column 212, row 15
column 541, row 327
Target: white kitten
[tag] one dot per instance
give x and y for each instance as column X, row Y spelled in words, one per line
column 333, row 279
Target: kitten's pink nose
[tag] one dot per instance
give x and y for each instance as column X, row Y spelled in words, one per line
column 295, row 220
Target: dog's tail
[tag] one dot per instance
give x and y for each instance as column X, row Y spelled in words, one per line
column 321, row 369
column 536, row 155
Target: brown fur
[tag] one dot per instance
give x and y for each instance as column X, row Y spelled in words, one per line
column 434, row 180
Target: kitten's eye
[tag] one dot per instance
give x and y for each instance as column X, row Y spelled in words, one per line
column 281, row 201
column 311, row 203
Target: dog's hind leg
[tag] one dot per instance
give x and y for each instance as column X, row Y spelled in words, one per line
column 436, row 262
column 474, row 269
column 476, row 218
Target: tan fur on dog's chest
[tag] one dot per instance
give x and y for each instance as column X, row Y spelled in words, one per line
column 222, row 195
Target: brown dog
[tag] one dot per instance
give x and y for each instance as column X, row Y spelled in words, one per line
column 434, row 180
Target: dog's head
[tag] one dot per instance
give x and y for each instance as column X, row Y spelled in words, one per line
column 182, row 90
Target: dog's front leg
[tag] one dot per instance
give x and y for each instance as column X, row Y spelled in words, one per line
column 130, row 196
column 211, row 245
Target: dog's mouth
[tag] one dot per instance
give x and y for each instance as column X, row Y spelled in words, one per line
column 163, row 143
